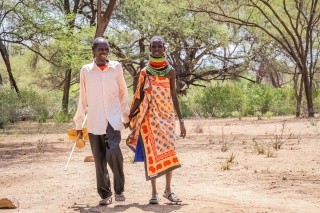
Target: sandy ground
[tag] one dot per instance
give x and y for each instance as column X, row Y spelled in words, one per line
column 33, row 158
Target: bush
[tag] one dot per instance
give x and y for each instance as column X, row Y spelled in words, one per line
column 28, row 105
column 62, row 117
column 268, row 114
column 238, row 99
column 263, row 98
column 236, row 114
column 185, row 106
column 316, row 99
column 220, row 100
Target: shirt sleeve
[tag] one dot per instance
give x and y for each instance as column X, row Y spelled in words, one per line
column 123, row 95
column 82, row 104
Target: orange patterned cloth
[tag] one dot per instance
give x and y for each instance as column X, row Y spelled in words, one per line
column 155, row 124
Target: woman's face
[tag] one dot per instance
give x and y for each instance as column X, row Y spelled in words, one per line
column 157, row 48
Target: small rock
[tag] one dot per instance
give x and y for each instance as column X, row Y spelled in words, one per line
column 89, row 159
column 9, row 203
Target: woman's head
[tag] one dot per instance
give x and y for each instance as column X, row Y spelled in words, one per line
column 157, row 47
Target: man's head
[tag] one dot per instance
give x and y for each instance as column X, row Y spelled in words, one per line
column 100, row 50
column 157, row 47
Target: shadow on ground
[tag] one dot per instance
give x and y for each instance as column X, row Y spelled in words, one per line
column 167, row 207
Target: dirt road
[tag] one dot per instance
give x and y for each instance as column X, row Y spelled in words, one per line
column 33, row 158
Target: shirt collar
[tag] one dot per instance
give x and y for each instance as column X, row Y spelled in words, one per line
column 111, row 65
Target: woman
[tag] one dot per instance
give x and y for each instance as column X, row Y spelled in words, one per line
column 152, row 120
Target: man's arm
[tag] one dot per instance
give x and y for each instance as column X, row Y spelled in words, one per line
column 123, row 95
column 82, row 104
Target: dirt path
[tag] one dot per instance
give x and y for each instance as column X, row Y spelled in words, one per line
column 286, row 181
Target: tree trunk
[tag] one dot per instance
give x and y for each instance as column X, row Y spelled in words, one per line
column 5, row 56
column 308, row 91
column 135, row 83
column 103, row 20
column 67, row 79
column 181, row 87
column 298, row 95
column 66, row 88
column 274, row 77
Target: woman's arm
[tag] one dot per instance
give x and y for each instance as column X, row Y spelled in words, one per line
column 172, row 75
column 135, row 107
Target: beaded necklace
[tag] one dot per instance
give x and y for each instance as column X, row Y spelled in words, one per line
column 158, row 66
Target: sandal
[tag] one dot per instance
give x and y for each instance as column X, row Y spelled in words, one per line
column 154, row 199
column 106, row 201
column 119, row 197
column 171, row 197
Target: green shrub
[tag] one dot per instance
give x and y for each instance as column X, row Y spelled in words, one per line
column 257, row 114
column 268, row 114
column 238, row 99
column 62, row 117
column 236, row 114
column 9, row 106
column 185, row 106
column 316, row 99
column 28, row 105
column 220, row 100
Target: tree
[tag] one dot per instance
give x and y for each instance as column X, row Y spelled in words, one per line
column 53, row 27
column 26, row 23
column 103, row 18
column 190, row 48
column 6, row 59
column 7, row 12
column 293, row 25
column 78, row 15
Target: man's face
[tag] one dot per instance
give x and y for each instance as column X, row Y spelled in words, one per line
column 157, row 48
column 101, row 52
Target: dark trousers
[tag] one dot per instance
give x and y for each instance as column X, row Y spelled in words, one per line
column 106, row 149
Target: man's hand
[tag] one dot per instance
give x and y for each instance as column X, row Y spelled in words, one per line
column 80, row 134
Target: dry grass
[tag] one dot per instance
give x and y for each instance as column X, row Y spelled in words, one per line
column 278, row 139
column 226, row 166
column 260, row 148
column 41, row 144
column 224, row 143
column 231, row 158
column 199, row 123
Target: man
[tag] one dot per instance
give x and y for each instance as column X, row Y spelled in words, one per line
column 103, row 93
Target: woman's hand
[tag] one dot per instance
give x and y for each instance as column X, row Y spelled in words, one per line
column 183, row 131
column 126, row 125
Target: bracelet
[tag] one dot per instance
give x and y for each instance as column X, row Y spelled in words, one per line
column 181, row 121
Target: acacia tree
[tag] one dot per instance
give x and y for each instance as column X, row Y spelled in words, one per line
column 31, row 25
column 22, row 23
column 269, row 63
column 7, row 13
column 104, row 16
column 293, row 25
column 193, row 41
column 77, row 15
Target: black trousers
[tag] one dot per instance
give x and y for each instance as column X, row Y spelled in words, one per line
column 106, row 149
